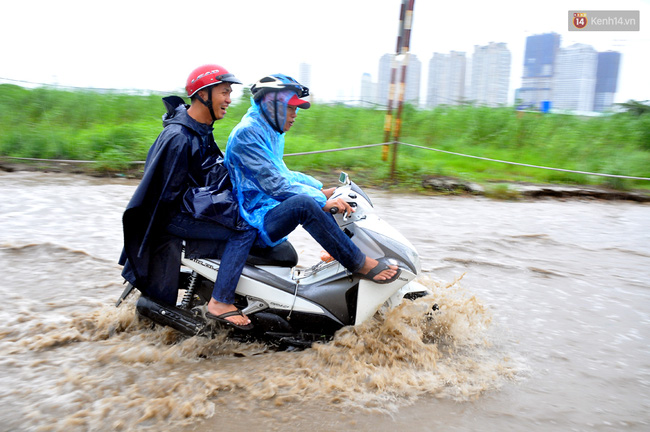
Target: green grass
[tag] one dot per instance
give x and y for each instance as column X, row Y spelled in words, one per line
column 115, row 129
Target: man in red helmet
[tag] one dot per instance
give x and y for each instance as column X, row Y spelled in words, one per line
column 185, row 195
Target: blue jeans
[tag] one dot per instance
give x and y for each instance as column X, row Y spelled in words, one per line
column 238, row 245
column 303, row 210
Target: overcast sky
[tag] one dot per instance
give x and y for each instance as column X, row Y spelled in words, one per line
column 154, row 44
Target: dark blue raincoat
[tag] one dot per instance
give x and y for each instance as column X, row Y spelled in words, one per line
column 183, row 157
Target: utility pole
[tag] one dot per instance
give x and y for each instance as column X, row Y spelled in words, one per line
column 401, row 58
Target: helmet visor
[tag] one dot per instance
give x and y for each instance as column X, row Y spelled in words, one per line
column 229, row 78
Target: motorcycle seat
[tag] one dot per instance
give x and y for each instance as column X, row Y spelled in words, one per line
column 282, row 255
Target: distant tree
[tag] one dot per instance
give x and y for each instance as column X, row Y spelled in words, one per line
column 635, row 107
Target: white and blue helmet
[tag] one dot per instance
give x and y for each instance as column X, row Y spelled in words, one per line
column 274, row 93
column 278, row 83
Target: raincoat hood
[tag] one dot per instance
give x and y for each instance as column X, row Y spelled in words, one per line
column 177, row 114
column 273, row 107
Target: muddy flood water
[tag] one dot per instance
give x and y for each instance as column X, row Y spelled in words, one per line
column 544, row 326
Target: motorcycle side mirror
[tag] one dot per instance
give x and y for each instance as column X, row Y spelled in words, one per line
column 344, row 178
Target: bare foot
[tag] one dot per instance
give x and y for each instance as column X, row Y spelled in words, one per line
column 382, row 275
column 218, row 308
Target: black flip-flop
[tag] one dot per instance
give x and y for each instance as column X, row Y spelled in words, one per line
column 382, row 264
column 222, row 319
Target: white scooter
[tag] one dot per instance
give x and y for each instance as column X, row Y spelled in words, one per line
column 291, row 306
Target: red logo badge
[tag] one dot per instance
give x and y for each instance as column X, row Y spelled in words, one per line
column 579, row 20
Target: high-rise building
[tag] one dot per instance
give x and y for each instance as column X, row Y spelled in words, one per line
column 413, row 72
column 539, row 67
column 574, row 81
column 384, row 78
column 446, row 83
column 606, row 80
column 490, row 75
column 368, row 91
column 412, row 82
column 438, row 80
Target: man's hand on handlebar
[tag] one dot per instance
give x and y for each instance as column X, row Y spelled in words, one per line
column 339, row 204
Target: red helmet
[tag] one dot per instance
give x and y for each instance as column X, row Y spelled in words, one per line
column 208, row 75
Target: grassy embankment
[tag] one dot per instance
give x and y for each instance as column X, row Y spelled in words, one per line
column 114, row 129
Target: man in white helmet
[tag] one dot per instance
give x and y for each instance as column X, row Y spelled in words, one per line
column 274, row 199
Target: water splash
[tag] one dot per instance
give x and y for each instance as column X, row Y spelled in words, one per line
column 108, row 365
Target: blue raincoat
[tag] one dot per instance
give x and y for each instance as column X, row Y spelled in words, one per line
column 254, row 158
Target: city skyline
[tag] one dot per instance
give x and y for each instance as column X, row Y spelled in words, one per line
column 574, row 78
